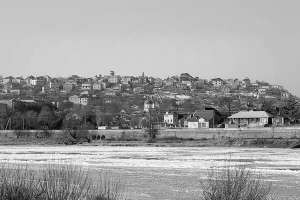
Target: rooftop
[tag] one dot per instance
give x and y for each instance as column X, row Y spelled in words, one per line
column 250, row 114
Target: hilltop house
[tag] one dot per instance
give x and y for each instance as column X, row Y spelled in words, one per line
column 68, row 86
column 11, row 79
column 182, row 86
column 246, row 81
column 188, row 83
column 36, row 81
column 170, row 82
column 86, row 86
column 112, row 78
column 82, row 99
column 262, row 90
column 126, row 79
column 255, row 84
column 143, row 79
column 53, row 85
column 225, row 89
column 105, row 83
column 236, row 82
column 98, row 86
column 279, row 87
column 185, row 77
column 151, row 80
column 285, row 95
column 217, row 82
column 265, row 86
column 158, row 83
column 148, row 88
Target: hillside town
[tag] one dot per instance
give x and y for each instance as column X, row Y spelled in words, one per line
column 128, row 102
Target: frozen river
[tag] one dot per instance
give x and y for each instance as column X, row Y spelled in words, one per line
column 168, row 172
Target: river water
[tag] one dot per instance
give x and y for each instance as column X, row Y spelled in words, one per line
column 154, row 173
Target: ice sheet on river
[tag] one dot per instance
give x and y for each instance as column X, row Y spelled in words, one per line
column 176, row 170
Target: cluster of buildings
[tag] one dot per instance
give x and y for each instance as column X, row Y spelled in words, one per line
column 81, row 90
column 207, row 119
column 212, row 118
column 113, row 84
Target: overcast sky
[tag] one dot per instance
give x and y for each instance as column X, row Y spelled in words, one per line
column 259, row 39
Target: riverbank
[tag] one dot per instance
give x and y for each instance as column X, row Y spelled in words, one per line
column 263, row 137
column 167, row 142
column 173, row 142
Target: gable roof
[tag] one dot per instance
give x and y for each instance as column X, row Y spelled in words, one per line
column 83, row 96
column 30, row 77
column 250, row 114
column 193, row 119
column 216, row 79
column 9, row 77
column 205, row 114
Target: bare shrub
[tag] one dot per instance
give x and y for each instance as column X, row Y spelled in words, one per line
column 152, row 134
column 60, row 182
column 48, row 133
column 76, row 136
column 107, row 188
column 234, row 182
column 18, row 183
column 57, row 182
column 125, row 137
column 21, row 134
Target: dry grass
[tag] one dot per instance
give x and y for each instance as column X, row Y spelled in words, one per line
column 18, row 183
column 107, row 188
column 57, row 182
column 235, row 182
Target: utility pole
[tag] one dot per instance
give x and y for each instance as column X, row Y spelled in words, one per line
column 85, row 121
column 150, row 125
column 23, row 123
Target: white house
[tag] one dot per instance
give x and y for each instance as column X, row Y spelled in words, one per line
column 82, row 99
column 171, row 118
column 279, row 87
column 197, row 123
column 262, row 90
column 251, row 118
column 98, row 86
column 217, row 82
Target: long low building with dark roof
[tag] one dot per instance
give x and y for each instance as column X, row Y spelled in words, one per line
column 251, row 118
